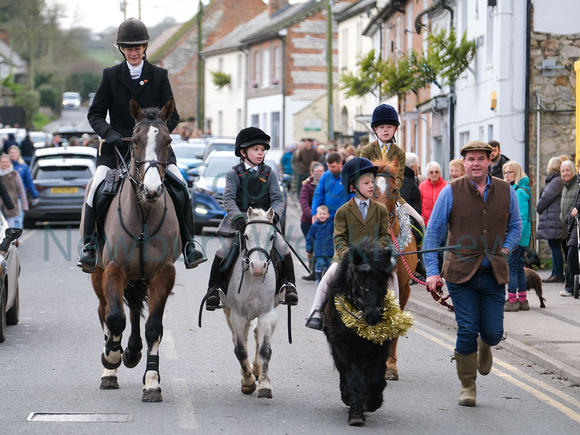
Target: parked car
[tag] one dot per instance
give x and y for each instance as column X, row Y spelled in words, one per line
column 91, row 98
column 208, row 189
column 61, row 185
column 71, row 100
column 52, row 153
column 38, row 138
column 188, row 157
column 66, row 133
column 9, row 273
column 218, row 144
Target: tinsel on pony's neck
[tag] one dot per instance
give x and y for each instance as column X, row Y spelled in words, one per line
column 395, row 322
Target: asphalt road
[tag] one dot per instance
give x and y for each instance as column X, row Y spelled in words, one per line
column 51, row 364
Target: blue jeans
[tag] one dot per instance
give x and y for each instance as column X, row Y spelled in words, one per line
column 517, row 275
column 322, row 264
column 557, row 257
column 478, row 310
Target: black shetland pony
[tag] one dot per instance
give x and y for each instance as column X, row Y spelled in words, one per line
column 359, row 289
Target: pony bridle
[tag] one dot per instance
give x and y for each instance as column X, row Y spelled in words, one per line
column 153, row 163
column 247, row 252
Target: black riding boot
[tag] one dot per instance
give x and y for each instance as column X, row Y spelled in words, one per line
column 215, row 284
column 88, row 259
column 289, row 281
column 182, row 202
column 311, row 265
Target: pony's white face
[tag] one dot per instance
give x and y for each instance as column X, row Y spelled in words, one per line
column 259, row 239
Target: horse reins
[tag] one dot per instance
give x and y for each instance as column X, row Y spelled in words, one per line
column 134, row 183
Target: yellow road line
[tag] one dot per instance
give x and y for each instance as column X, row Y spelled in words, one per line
column 533, row 391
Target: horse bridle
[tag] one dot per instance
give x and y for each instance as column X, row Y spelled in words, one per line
column 245, row 252
column 152, row 163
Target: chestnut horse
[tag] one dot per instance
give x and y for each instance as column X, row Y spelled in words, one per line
column 136, row 253
column 400, row 230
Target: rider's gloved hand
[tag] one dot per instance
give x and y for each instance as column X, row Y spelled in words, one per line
column 240, row 224
column 275, row 219
column 113, row 139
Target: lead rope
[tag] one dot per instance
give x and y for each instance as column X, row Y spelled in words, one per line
column 436, row 294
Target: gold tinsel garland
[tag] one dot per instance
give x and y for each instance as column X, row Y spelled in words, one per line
column 395, row 322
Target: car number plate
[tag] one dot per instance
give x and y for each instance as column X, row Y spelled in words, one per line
column 64, row 189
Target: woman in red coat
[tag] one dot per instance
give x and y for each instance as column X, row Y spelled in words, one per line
column 430, row 189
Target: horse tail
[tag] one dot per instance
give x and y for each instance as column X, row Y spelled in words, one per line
column 136, row 296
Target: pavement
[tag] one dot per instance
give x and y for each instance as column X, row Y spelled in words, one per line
column 548, row 337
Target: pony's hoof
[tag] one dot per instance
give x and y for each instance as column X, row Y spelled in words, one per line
column 248, row 389
column 265, row 393
column 109, row 383
column 357, row 421
column 152, row 395
column 391, row 375
column 109, row 365
column 131, row 359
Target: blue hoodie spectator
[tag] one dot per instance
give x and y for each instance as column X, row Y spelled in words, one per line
column 330, row 190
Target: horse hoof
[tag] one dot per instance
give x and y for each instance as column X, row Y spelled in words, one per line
column 391, row 375
column 356, row 421
column 265, row 393
column 109, row 383
column 248, row 389
column 131, row 359
column 153, row 395
column 109, row 365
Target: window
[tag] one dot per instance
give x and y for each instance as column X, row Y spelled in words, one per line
column 255, row 121
column 277, row 66
column 463, row 138
column 489, row 36
column 238, row 119
column 490, row 132
column 266, row 68
column 257, row 67
column 275, row 130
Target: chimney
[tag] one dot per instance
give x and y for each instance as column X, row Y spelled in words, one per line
column 275, row 5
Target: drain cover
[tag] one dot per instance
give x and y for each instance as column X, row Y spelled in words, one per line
column 102, row 417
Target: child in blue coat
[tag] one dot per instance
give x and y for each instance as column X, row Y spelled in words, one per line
column 319, row 240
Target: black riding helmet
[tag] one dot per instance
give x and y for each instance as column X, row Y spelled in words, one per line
column 250, row 136
column 385, row 114
column 353, row 169
column 131, row 33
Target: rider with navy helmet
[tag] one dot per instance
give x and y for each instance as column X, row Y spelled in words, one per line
column 250, row 183
column 360, row 217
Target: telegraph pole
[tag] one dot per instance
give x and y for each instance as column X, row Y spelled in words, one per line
column 200, row 79
column 329, row 68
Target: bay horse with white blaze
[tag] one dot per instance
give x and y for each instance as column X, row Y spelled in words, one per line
column 252, row 295
column 362, row 318
column 136, row 253
column 403, row 239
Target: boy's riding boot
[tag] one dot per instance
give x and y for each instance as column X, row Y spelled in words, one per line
column 467, row 372
column 183, row 208
column 88, row 259
column 290, row 281
column 215, row 285
column 311, row 265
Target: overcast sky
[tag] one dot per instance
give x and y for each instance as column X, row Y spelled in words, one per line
column 100, row 14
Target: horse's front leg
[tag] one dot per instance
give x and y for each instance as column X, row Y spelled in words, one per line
column 356, row 383
column 159, row 290
column 266, row 326
column 113, row 320
column 109, row 376
column 240, row 328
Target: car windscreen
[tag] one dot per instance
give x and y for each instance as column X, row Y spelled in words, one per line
column 188, row 152
column 220, row 147
column 216, row 167
column 68, row 173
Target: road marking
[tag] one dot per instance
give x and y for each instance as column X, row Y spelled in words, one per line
column 448, row 343
column 167, row 347
column 184, row 404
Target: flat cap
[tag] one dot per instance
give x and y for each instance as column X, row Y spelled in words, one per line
column 475, row 145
